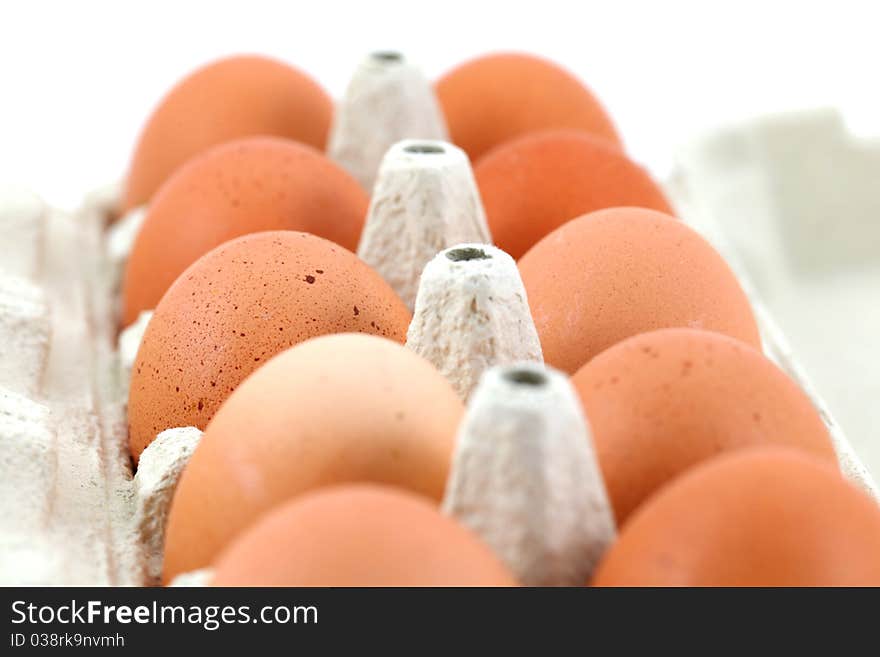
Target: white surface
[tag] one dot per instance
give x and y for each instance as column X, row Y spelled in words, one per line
column 25, row 331
column 389, row 98
column 777, row 348
column 79, row 78
column 472, row 314
column 28, row 460
column 793, row 202
column 525, row 477
column 64, row 469
column 120, row 240
column 422, row 203
column 840, row 347
column 200, row 577
column 159, row 470
column 70, row 512
column 22, row 220
column 127, row 347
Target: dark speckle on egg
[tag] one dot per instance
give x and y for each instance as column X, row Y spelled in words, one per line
column 615, row 273
column 230, row 191
column 669, row 413
column 253, row 314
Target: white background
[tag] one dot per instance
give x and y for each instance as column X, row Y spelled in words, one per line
column 78, row 79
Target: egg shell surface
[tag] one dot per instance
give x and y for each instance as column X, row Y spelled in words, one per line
column 532, row 185
column 234, row 97
column 359, row 535
column 244, row 186
column 763, row 516
column 335, row 409
column 615, row 273
column 494, row 98
column 661, row 402
column 235, row 308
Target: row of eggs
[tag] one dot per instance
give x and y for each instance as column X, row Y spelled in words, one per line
column 245, row 256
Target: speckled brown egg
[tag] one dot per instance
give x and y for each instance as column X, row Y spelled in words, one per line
column 611, row 274
column 532, row 185
column 764, row 516
column 494, row 98
column 359, row 535
column 334, row 409
column 661, row 402
column 244, row 186
column 235, row 308
column 234, row 97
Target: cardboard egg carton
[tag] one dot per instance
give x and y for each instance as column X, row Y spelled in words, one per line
column 776, row 211
column 72, row 511
column 63, row 464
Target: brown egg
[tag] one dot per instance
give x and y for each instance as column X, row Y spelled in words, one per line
column 341, row 408
column 663, row 401
column 359, row 535
column 494, row 98
column 619, row 272
column 533, row 185
column 244, row 186
column 238, row 306
column 766, row 516
column 234, row 97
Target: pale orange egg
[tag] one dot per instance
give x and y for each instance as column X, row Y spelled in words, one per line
column 238, row 96
column 764, row 516
column 615, row 273
column 532, row 185
column 359, row 535
column 235, row 308
column 335, row 409
column 494, row 98
column 243, row 186
column 661, row 402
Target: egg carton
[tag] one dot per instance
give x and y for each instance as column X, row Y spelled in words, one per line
column 66, row 474
column 73, row 510
column 794, row 199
